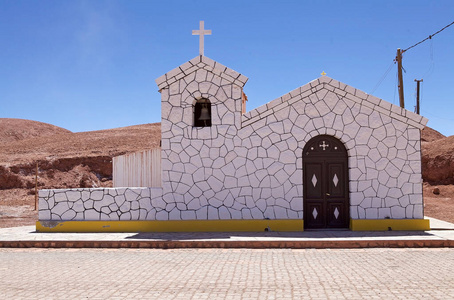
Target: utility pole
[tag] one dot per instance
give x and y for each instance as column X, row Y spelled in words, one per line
column 417, row 95
column 399, row 64
column 400, row 77
column 36, row 187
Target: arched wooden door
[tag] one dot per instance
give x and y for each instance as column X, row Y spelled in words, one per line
column 325, row 179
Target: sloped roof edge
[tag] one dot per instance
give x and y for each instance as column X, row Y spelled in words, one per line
column 201, row 62
column 341, row 89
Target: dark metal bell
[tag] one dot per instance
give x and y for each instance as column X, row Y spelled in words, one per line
column 204, row 114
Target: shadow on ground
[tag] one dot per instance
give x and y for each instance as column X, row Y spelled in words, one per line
column 345, row 234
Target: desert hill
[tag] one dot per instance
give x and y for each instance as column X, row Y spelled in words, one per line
column 438, row 161
column 429, row 135
column 111, row 142
column 18, row 129
column 437, row 157
column 67, row 159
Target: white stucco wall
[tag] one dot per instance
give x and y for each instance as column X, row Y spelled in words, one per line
column 99, row 204
column 252, row 168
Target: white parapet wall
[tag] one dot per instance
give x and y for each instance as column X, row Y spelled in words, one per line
column 99, row 204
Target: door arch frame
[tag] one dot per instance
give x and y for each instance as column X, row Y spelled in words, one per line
column 325, row 153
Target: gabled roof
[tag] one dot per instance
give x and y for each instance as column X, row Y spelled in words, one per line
column 201, row 62
column 324, row 82
column 344, row 91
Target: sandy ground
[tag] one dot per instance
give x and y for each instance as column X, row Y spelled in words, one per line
column 17, row 208
column 439, row 206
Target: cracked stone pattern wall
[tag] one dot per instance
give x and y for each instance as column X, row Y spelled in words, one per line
column 250, row 166
column 99, row 204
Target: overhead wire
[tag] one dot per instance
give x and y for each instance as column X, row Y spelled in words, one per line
column 429, row 71
column 395, row 88
column 431, row 49
column 382, row 78
column 429, row 37
column 432, row 64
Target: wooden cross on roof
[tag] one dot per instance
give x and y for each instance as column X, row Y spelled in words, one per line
column 201, row 33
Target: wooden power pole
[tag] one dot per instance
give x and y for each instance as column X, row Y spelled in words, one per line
column 399, row 64
column 36, row 187
column 400, row 77
column 417, row 95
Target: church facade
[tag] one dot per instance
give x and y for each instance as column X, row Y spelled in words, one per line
column 323, row 156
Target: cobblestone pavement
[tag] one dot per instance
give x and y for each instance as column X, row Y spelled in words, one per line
column 226, row 274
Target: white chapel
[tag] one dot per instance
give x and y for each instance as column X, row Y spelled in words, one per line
column 323, row 156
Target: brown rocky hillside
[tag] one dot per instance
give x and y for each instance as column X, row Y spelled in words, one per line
column 437, row 157
column 17, row 129
column 429, row 135
column 49, row 147
column 67, row 159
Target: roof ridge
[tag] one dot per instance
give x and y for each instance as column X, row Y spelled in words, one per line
column 341, row 89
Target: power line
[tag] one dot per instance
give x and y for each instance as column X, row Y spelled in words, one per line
column 399, row 64
column 395, row 88
column 428, row 38
column 432, row 64
column 382, row 78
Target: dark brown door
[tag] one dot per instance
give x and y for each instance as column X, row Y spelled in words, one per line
column 325, row 179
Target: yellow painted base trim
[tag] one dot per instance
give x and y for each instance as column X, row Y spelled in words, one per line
column 389, row 224
column 169, row 226
column 220, row 225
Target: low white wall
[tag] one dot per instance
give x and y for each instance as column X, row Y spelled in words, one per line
column 111, row 204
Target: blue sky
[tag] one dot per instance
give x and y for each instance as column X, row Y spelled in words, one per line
column 91, row 65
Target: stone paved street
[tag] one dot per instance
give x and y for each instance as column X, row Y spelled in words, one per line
column 226, row 274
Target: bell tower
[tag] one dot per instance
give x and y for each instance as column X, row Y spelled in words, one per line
column 200, row 100
column 201, row 117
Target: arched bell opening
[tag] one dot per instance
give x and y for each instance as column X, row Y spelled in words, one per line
column 325, row 183
column 202, row 113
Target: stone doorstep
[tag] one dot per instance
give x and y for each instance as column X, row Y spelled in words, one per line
column 233, row 244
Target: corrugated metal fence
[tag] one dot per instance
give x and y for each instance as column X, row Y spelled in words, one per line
column 140, row 169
